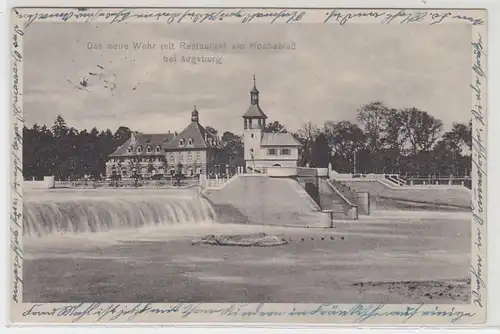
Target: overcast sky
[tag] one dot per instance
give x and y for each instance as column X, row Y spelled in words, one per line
column 331, row 73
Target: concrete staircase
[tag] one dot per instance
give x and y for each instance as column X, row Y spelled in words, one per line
column 331, row 200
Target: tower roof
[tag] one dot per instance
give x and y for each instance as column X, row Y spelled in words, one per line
column 200, row 137
column 254, row 111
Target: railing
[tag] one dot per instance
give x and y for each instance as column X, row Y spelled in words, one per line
column 396, row 179
column 127, row 184
column 465, row 181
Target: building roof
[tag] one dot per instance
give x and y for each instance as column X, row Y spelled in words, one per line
column 200, row 136
column 143, row 140
column 279, row 139
column 254, row 111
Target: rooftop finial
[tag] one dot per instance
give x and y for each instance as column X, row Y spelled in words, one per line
column 194, row 115
column 254, row 81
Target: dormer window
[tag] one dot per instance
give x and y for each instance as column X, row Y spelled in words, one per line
column 129, row 149
column 149, row 149
column 190, row 142
column 139, row 149
column 181, row 142
column 158, row 149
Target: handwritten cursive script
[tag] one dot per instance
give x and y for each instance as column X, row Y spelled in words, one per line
column 17, row 171
column 170, row 16
column 126, row 312
column 479, row 161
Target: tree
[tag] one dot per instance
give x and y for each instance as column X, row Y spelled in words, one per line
column 321, row 152
column 232, row 143
column 396, row 130
column 60, row 128
column 422, row 129
column 211, row 130
column 373, row 117
column 461, row 134
column 345, row 139
column 121, row 135
column 275, row 127
column 306, row 135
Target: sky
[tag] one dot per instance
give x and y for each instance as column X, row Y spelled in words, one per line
column 332, row 72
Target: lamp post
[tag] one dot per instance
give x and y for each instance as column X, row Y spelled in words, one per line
column 354, row 161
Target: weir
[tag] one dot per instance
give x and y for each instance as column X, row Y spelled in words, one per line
column 99, row 214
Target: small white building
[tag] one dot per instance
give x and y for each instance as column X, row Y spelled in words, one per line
column 264, row 149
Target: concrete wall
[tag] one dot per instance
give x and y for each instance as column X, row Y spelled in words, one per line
column 47, row 183
column 270, row 201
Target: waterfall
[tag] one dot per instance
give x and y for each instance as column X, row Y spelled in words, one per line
column 99, row 214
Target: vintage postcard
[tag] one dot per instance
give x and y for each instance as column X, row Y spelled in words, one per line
column 247, row 165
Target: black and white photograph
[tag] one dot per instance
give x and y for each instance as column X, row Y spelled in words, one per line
column 285, row 157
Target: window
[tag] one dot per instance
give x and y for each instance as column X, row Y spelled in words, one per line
column 139, row 149
column 189, row 156
column 285, row 151
column 251, row 135
column 157, row 149
column 181, row 142
column 180, row 156
column 129, row 149
column 190, row 142
column 149, row 149
column 198, row 156
column 271, row 151
column 171, row 158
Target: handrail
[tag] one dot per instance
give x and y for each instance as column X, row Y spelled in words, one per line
column 347, row 201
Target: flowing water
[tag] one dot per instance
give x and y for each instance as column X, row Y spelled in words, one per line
column 66, row 212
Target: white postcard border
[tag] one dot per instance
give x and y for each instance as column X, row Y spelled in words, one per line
column 479, row 150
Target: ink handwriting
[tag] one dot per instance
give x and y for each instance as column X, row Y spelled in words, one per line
column 170, row 17
column 17, row 171
column 479, row 155
column 126, row 312
column 244, row 15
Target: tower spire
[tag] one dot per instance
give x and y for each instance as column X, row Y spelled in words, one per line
column 254, row 93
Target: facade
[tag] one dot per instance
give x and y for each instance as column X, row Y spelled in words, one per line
column 263, row 149
column 141, row 154
column 195, row 150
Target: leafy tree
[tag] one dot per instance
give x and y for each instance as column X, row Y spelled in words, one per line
column 422, row 129
column 121, row 135
column 306, row 135
column 373, row 117
column 321, row 152
column 211, row 130
column 275, row 127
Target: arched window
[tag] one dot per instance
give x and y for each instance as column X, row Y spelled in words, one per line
column 139, row 149
column 158, row 149
column 190, row 142
column 149, row 149
column 181, row 142
column 129, row 149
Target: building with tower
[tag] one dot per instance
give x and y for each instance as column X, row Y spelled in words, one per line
column 263, row 149
column 195, row 150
